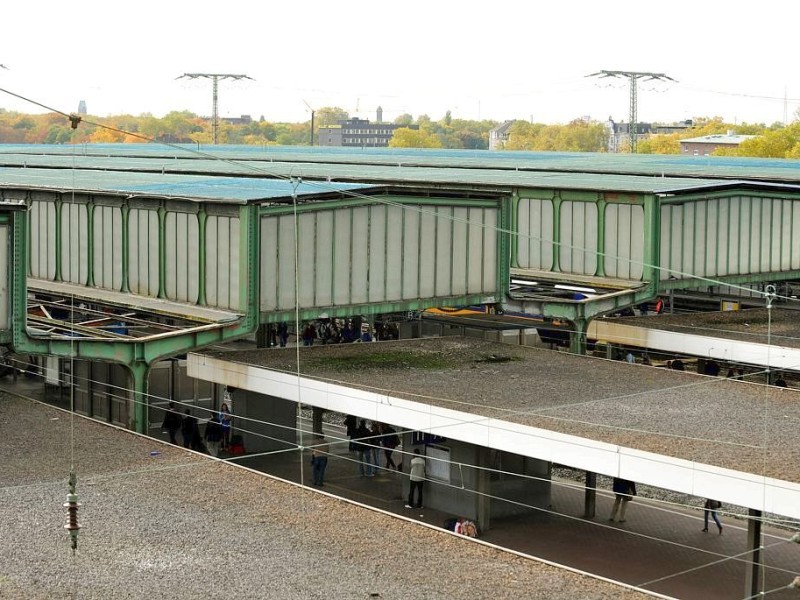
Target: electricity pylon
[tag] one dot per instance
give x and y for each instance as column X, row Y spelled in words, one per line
column 214, row 77
column 633, row 77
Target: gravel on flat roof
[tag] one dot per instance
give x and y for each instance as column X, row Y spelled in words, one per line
column 713, row 420
column 180, row 525
column 781, row 328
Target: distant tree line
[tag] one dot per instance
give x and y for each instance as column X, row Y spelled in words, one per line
column 183, row 127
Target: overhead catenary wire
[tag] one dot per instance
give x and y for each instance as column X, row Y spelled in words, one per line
column 405, row 207
column 294, row 448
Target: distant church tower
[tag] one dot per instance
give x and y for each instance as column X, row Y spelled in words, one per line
column 82, row 107
column 380, row 115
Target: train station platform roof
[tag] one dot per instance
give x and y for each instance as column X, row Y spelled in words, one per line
column 768, row 339
column 651, row 165
column 689, row 433
column 194, row 188
column 484, row 169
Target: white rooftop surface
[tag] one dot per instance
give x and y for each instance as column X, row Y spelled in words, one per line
column 184, row 526
column 709, row 437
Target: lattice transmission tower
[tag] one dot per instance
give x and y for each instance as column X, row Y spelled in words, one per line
column 214, row 77
column 633, row 77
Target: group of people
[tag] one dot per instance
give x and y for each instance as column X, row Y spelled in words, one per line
column 333, row 331
column 214, row 439
column 370, row 442
column 624, row 491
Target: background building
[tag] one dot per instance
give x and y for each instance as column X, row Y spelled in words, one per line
column 359, row 133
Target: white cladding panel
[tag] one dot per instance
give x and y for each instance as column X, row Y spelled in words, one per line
column 359, row 258
column 379, row 224
column 323, row 251
column 5, row 274
column 738, row 235
column 578, row 235
column 378, row 253
column 535, row 234
column 223, row 239
column 107, row 260
column 182, row 240
column 75, row 243
column 42, row 228
column 143, row 255
column 624, row 241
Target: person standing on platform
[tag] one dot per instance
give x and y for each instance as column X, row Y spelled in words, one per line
column 375, row 445
column 416, row 480
column 213, row 434
column 172, row 423
column 711, row 506
column 319, row 460
column 361, row 441
column 625, row 491
column 225, row 422
column 190, row 431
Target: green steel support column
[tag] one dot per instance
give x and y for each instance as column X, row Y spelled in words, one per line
column 514, row 210
column 162, row 252
column 18, row 280
column 577, row 337
column 59, row 204
column 601, row 238
column 126, row 251
column 139, row 374
column 90, row 244
column 506, row 237
column 556, row 232
column 202, row 221
column 652, row 247
column 249, row 251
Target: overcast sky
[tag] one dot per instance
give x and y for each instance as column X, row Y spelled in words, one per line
column 491, row 60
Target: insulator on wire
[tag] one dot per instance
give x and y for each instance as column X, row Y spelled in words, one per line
column 72, row 509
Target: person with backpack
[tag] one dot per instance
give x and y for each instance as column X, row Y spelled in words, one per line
column 711, row 506
column 390, row 442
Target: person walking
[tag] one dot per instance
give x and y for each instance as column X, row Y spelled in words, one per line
column 172, row 423
column 416, row 480
column 319, row 460
column 711, row 506
column 362, row 441
column 390, row 442
column 213, row 434
column 625, row 491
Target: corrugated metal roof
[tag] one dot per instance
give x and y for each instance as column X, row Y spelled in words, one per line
column 578, row 171
column 233, row 190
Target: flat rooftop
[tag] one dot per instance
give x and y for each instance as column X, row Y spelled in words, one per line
column 725, row 423
column 781, row 328
column 176, row 524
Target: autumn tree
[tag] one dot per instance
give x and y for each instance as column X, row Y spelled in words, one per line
column 405, row 137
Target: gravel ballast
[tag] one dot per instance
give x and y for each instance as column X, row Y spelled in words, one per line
column 161, row 522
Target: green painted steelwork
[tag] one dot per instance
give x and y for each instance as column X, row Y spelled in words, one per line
column 125, row 249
